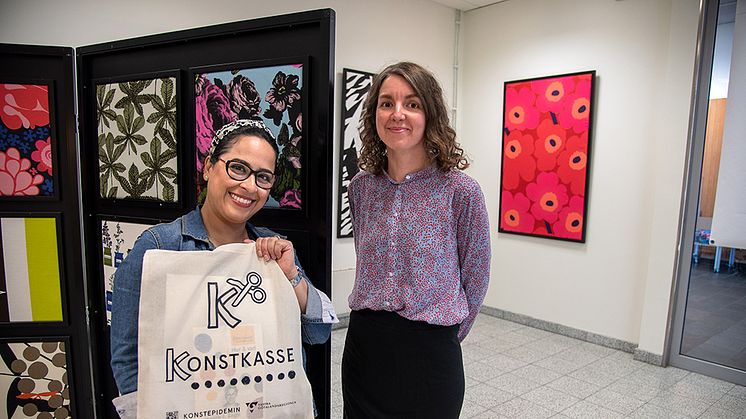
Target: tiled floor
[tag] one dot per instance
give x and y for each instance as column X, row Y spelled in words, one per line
column 515, row 371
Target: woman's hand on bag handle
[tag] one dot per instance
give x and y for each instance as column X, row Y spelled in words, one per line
column 282, row 252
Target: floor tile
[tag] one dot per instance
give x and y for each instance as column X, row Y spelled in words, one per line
column 650, row 411
column 528, row 353
column 537, row 374
column 513, row 384
column 705, row 389
column 574, row 387
column 533, row 333
column 471, row 410
column 616, row 402
column 733, row 403
column 524, row 409
column 593, row 375
column 633, row 387
column 716, row 412
column 481, row 371
column 552, row 399
column 478, row 352
column 488, row 414
column 559, row 364
column 486, row 396
column 738, row 391
column 587, row 410
column 680, row 404
column 504, row 363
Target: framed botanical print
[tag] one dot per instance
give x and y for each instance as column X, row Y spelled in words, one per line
column 27, row 140
column 271, row 93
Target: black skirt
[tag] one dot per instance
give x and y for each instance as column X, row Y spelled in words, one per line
column 393, row 367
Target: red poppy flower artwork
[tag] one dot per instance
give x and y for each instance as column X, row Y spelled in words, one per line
column 546, row 145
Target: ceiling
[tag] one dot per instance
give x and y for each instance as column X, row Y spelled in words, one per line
column 467, row 4
column 727, row 7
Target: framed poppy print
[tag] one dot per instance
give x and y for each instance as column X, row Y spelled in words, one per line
column 546, row 144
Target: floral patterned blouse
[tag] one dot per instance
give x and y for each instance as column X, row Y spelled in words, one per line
column 423, row 246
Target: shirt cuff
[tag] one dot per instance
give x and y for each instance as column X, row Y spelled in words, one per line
column 319, row 308
column 126, row 406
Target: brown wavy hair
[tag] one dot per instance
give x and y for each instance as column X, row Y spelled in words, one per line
column 440, row 138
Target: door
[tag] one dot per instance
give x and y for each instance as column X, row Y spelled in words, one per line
column 709, row 328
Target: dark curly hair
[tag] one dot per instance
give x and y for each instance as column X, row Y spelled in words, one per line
column 440, row 138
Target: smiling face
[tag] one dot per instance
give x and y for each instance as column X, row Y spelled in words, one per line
column 400, row 117
column 230, row 201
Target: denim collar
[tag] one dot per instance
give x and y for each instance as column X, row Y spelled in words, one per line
column 193, row 226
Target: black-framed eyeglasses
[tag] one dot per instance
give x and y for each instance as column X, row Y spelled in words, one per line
column 240, row 171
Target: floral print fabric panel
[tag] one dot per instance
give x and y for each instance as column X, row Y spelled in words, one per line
column 137, row 139
column 356, row 85
column 271, row 94
column 29, row 270
column 117, row 239
column 545, row 155
column 33, row 380
column 25, row 141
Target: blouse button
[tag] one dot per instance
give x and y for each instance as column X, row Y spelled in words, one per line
column 407, row 177
column 391, row 274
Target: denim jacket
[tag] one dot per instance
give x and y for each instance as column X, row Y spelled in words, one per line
column 186, row 233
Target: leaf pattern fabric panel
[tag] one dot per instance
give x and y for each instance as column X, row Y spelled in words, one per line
column 117, row 239
column 356, row 85
column 137, row 140
column 25, row 141
column 272, row 94
column 33, row 380
column 30, row 270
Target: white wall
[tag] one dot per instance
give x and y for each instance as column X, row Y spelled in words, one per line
column 618, row 283
column 369, row 35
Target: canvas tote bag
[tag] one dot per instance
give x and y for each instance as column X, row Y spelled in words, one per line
column 219, row 337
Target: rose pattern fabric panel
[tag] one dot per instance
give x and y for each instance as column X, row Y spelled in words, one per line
column 545, row 156
column 25, row 141
column 117, row 239
column 33, row 380
column 356, row 85
column 271, row 94
column 29, row 272
column 137, row 140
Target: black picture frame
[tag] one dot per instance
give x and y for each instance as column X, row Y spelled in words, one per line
column 257, row 64
column 355, row 84
column 59, row 231
column 53, row 135
column 142, row 202
column 517, row 212
column 67, row 381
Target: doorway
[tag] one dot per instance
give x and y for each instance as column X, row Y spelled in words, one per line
column 709, row 324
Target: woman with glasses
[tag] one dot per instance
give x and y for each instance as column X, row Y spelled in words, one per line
column 239, row 172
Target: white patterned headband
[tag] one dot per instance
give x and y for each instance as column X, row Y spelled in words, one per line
column 235, row 125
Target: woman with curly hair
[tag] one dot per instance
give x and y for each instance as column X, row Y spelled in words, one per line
column 423, row 254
